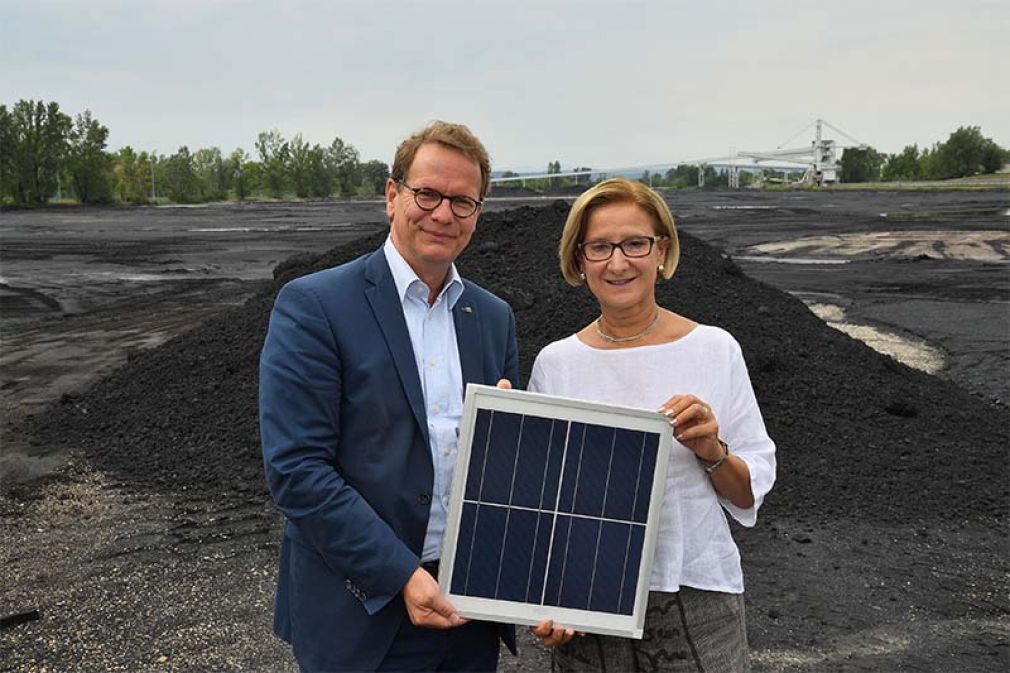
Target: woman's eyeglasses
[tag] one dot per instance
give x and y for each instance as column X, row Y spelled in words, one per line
column 601, row 251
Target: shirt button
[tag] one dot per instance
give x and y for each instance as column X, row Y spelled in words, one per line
column 433, row 362
column 423, row 499
column 435, row 409
column 446, row 451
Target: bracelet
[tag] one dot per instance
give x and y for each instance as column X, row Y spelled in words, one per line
column 712, row 467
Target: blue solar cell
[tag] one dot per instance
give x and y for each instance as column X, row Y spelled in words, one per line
column 514, row 570
column 464, row 543
column 650, row 452
column 478, row 449
column 559, row 434
column 531, row 468
column 486, row 551
column 580, row 553
column 500, row 460
column 624, row 470
column 608, row 573
column 538, row 563
column 597, row 448
column 630, row 584
column 556, row 560
column 570, row 466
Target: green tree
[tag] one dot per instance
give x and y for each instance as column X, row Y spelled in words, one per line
column 681, row 177
column 36, row 149
column 931, row 163
column 373, row 177
column 902, row 166
column 238, row 173
column 273, row 151
column 861, row 164
column 321, row 177
column 211, row 175
column 342, row 161
column 994, row 158
column 968, row 152
column 181, row 181
column 299, row 165
column 89, row 165
column 8, row 182
column 715, row 179
column 132, row 175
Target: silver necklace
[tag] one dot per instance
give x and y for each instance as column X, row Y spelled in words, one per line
column 620, row 340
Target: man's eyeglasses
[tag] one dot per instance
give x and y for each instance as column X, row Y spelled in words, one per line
column 601, row 251
column 430, row 199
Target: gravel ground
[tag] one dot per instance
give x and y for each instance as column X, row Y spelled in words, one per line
column 882, row 547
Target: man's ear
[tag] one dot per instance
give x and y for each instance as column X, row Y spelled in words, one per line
column 391, row 194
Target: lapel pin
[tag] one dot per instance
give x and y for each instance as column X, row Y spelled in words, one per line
column 467, row 309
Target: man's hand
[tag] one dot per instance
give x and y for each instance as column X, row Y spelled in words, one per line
column 504, row 384
column 426, row 606
column 550, row 635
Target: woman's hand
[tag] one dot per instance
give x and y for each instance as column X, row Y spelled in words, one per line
column 694, row 426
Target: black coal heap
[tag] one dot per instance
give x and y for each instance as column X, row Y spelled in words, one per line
column 858, row 434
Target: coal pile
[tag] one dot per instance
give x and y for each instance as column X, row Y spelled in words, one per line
column 858, row 434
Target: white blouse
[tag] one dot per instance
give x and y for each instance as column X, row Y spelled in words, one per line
column 694, row 546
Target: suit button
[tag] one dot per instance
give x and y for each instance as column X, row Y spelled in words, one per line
column 424, row 499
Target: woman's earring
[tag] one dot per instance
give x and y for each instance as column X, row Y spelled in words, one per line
column 661, row 268
column 582, row 276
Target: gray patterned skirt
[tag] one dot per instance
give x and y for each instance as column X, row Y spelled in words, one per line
column 691, row 630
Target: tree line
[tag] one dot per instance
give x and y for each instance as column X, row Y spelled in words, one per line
column 965, row 153
column 46, row 154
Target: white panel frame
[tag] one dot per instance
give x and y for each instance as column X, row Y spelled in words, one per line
column 534, row 404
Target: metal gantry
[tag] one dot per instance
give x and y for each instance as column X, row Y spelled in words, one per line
column 819, row 162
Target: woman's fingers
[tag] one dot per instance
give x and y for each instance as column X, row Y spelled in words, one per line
column 684, row 410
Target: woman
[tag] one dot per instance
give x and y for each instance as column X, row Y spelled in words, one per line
column 619, row 239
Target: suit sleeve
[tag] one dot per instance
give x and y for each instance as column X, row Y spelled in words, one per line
column 300, row 389
column 511, row 368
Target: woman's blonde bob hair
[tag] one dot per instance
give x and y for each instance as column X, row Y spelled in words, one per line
column 615, row 190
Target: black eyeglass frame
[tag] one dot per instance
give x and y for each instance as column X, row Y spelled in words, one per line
column 653, row 240
column 458, row 199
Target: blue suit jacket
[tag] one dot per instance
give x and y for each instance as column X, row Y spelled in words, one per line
column 346, row 452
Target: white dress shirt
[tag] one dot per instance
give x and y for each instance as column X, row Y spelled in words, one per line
column 433, row 337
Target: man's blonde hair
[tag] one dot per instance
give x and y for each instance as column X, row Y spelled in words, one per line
column 454, row 136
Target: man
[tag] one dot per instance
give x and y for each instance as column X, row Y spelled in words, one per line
column 361, row 393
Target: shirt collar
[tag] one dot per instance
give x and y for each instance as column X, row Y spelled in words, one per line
column 404, row 276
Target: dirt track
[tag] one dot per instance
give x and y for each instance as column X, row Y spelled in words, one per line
column 139, row 569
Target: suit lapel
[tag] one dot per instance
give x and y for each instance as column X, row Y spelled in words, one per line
column 388, row 310
column 468, row 339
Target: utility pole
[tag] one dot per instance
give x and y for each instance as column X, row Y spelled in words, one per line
column 152, row 177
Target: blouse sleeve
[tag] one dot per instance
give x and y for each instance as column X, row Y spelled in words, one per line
column 536, row 383
column 744, row 431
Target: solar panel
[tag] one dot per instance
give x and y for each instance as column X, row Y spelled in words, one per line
column 553, row 511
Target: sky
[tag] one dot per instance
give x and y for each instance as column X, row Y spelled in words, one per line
column 599, row 83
